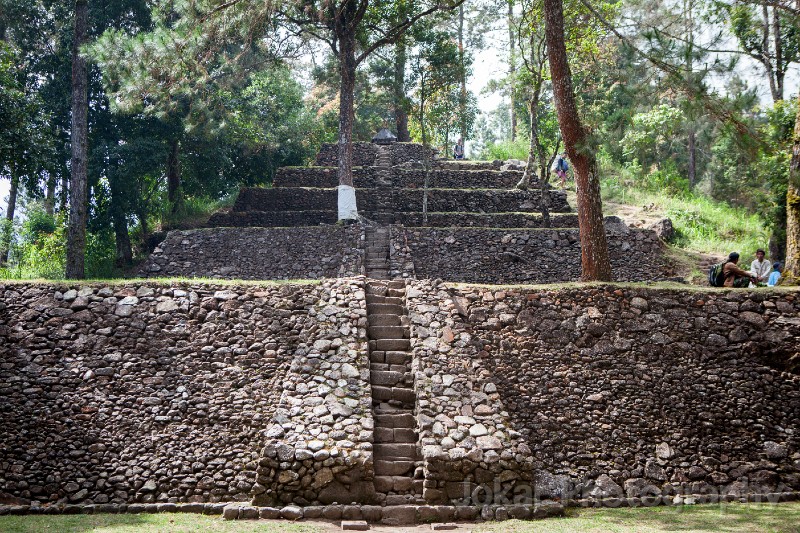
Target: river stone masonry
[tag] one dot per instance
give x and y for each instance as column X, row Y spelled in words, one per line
column 148, row 395
column 145, row 392
column 319, row 446
column 471, row 451
column 613, row 392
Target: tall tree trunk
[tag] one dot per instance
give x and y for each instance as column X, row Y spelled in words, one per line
column 76, row 235
column 400, row 111
column 791, row 272
column 8, row 227
column 50, row 195
column 780, row 71
column 462, row 94
column 174, row 176
column 347, row 70
column 765, row 53
column 512, row 70
column 124, row 253
column 525, row 181
column 595, row 263
column 692, row 157
column 63, row 193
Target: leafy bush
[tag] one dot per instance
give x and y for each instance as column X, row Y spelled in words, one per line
column 40, row 251
column 517, row 149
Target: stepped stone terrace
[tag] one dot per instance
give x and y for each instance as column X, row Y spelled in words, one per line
column 467, row 224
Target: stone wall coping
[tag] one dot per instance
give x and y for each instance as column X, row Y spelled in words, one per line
column 373, row 513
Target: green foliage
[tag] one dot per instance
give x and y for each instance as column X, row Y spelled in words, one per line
column 39, row 251
column 505, row 150
column 701, row 224
column 436, row 70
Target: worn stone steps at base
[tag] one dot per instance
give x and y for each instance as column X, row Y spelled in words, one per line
column 396, row 456
column 385, row 309
column 388, row 332
column 390, row 357
column 381, row 299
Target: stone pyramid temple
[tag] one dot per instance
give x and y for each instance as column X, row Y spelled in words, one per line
column 469, row 225
column 384, row 392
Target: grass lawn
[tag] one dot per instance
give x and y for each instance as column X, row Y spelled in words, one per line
column 731, row 517
column 149, row 523
column 726, row 518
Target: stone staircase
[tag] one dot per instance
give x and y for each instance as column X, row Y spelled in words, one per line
column 396, row 455
column 383, row 162
column 376, row 259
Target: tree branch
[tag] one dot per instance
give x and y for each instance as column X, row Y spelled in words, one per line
column 395, row 33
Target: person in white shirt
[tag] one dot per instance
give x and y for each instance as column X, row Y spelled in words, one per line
column 760, row 268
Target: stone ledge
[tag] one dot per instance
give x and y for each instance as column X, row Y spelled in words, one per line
column 400, row 200
column 400, row 177
column 389, row 515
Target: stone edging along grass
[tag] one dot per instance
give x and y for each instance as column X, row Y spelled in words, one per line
column 394, row 515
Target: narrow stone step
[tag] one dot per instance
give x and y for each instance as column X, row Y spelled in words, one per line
column 382, row 320
column 399, row 293
column 395, row 450
column 383, row 299
column 397, row 358
column 385, row 378
column 390, row 435
column 394, row 468
column 388, row 332
column 393, row 345
column 377, row 356
column 393, row 483
column 385, row 309
column 399, row 396
column 377, row 365
column 396, row 420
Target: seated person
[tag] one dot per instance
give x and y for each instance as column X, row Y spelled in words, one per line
column 735, row 276
column 760, row 268
column 775, row 276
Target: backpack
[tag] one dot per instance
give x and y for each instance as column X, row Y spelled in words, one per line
column 563, row 165
column 716, row 275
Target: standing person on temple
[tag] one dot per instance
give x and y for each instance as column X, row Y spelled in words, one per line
column 458, row 149
column 560, row 167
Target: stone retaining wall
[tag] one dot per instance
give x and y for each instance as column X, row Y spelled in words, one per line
column 369, row 177
column 364, row 154
column 319, row 446
column 399, row 200
column 144, row 392
column 271, row 219
column 470, row 447
column 268, row 219
column 148, row 393
column 259, row 253
column 484, row 255
column 627, row 392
